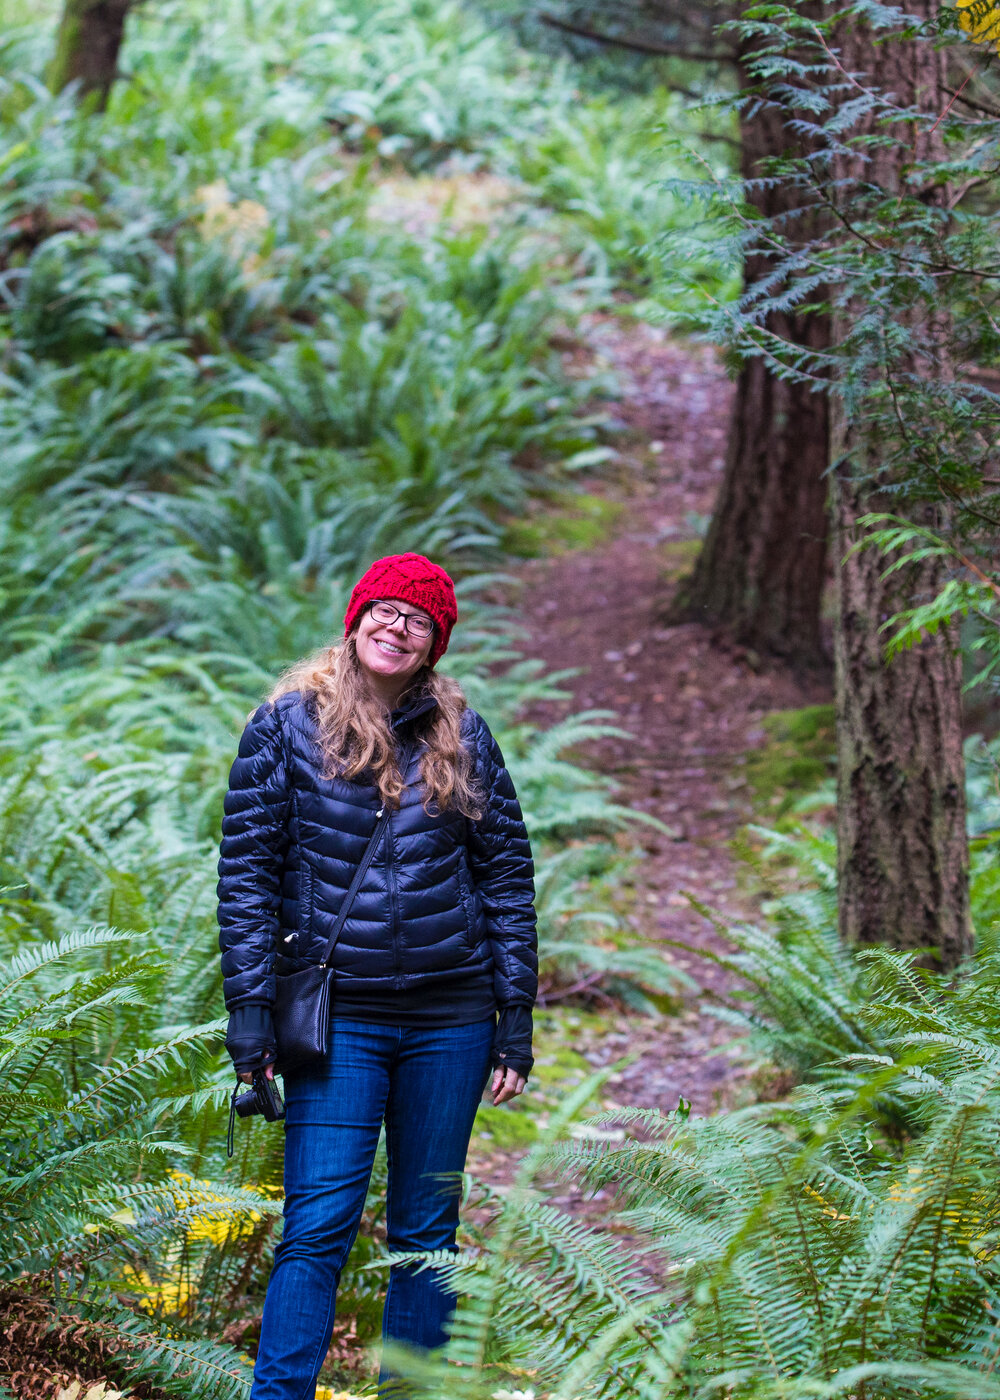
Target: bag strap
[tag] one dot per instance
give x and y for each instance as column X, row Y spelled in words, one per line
column 384, row 817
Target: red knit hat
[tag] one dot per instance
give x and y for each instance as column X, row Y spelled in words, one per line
column 412, row 579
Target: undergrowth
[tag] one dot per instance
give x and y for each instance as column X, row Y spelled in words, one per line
column 230, row 378
column 840, row 1241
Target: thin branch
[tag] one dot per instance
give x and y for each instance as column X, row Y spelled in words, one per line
column 978, row 572
column 638, row 45
column 945, row 487
column 973, row 103
column 933, row 269
column 711, row 135
column 954, row 98
column 868, row 92
column 956, row 198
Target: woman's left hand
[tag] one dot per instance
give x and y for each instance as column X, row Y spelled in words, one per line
column 507, row 1083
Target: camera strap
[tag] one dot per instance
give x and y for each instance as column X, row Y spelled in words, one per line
column 306, row 1011
column 230, row 1136
column 384, row 816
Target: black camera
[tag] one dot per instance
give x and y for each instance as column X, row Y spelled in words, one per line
column 262, row 1097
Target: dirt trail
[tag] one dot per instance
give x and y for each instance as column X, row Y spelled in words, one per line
column 693, row 704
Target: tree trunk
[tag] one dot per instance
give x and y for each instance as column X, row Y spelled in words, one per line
column 87, row 45
column 902, row 853
column 761, row 572
column 902, row 847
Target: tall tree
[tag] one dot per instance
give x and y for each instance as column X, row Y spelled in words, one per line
column 88, row 42
column 902, row 846
column 869, row 236
column 761, row 573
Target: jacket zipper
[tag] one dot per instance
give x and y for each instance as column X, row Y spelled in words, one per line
column 390, row 873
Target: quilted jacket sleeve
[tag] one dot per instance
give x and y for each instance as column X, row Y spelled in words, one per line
column 500, row 860
column 254, row 839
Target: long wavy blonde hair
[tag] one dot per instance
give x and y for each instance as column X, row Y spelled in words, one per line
column 355, row 734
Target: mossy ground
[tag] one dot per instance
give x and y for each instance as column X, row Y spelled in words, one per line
column 677, row 559
column 567, row 520
column 559, row 1067
column 797, row 759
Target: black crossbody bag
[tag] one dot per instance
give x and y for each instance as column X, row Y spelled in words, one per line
column 302, row 999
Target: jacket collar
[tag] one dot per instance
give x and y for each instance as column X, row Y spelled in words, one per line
column 411, row 709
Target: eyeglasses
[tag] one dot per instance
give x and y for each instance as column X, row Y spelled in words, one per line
column 415, row 623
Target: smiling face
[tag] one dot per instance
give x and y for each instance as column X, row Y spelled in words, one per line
column 389, row 655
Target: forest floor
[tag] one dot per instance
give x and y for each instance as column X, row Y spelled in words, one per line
column 696, row 710
column 693, row 705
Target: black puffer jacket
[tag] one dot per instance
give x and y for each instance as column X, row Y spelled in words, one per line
column 444, row 918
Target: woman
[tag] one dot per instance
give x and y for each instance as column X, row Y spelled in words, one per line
column 440, row 938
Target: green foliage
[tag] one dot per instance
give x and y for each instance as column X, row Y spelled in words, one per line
column 888, row 230
column 88, row 1135
column 841, row 1242
column 797, row 757
column 604, row 167
column 568, row 520
column 230, row 379
column 815, row 1002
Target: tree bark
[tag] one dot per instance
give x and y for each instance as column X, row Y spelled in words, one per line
column 88, row 42
column 761, row 572
column 902, row 846
column 902, row 853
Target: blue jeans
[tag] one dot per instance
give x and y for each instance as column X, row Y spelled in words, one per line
column 426, row 1085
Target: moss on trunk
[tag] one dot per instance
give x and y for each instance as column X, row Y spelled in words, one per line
column 88, row 42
